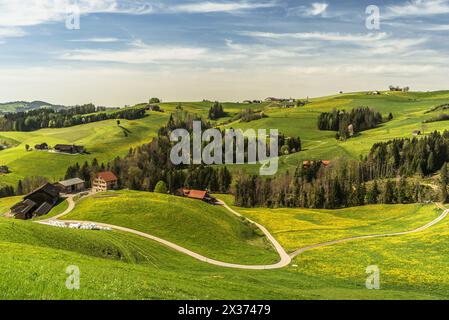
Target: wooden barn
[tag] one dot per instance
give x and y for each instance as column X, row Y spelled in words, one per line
column 37, row 203
column 74, row 185
column 67, row 148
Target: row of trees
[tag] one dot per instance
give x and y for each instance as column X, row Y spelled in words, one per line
column 348, row 123
column 407, row 156
column 49, row 118
column 249, row 115
column 137, row 171
column 217, row 111
column 331, row 188
column 440, row 117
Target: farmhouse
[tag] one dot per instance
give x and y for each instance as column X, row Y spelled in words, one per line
column 104, row 181
column 308, row 163
column 72, row 149
column 273, row 99
column 42, row 146
column 71, row 186
column 37, row 203
column 196, row 194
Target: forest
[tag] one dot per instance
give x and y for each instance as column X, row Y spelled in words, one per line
column 49, row 118
column 347, row 124
column 381, row 177
column 341, row 185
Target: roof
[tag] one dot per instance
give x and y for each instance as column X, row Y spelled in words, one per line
column 23, row 207
column 47, row 188
column 71, row 182
column 195, row 194
column 107, row 176
column 43, row 209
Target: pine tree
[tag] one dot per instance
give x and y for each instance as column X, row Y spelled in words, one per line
column 444, row 181
column 19, row 188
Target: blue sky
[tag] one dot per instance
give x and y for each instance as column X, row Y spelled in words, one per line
column 127, row 51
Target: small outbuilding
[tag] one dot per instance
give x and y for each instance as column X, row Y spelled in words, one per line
column 42, row 146
column 196, row 194
column 416, row 132
column 67, row 148
column 74, row 185
column 4, row 169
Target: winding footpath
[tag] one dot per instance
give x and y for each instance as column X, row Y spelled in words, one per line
column 285, row 258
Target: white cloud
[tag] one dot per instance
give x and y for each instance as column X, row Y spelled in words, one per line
column 380, row 69
column 139, row 53
column 11, row 32
column 208, row 6
column 315, row 9
column 441, row 27
column 321, row 36
column 418, row 8
column 35, row 12
column 98, row 40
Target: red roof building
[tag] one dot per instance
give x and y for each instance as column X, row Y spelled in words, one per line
column 104, row 181
column 195, row 194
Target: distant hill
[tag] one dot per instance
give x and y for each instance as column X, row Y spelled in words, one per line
column 17, row 106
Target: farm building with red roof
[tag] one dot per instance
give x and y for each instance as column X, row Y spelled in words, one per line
column 104, row 181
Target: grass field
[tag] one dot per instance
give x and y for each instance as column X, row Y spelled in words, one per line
column 115, row 265
column 209, row 230
column 103, row 140
column 298, row 228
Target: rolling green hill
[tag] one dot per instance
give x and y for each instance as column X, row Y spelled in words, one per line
column 103, row 140
column 17, row 106
column 209, row 230
column 116, row 265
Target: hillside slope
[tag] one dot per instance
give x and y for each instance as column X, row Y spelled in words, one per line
column 103, row 140
column 206, row 229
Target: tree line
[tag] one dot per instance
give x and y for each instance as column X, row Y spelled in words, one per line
column 340, row 186
column 217, row 111
column 349, row 123
column 49, row 118
column 407, row 156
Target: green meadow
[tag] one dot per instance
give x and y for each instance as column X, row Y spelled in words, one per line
column 209, row 230
column 118, row 265
column 103, row 140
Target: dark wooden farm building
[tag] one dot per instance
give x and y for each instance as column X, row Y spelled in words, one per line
column 37, row 203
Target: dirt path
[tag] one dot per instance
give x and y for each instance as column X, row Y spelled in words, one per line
column 285, row 258
column 329, row 243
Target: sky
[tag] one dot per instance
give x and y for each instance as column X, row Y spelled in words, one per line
column 124, row 52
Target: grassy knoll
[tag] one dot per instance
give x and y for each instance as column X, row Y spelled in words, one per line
column 408, row 109
column 7, row 203
column 298, row 228
column 206, row 229
column 410, row 263
column 104, row 140
column 117, row 265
